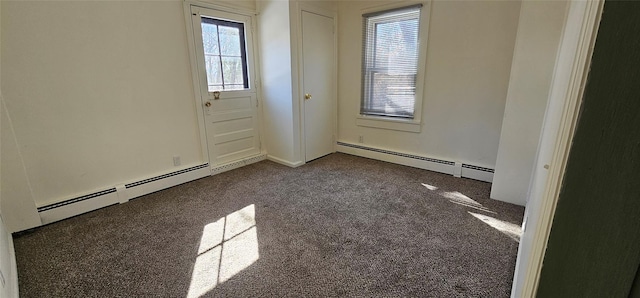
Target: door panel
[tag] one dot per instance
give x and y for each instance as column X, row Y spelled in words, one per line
column 318, row 82
column 226, row 74
column 232, row 128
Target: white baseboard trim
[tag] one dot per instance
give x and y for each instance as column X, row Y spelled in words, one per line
column 285, row 162
column 421, row 162
column 119, row 194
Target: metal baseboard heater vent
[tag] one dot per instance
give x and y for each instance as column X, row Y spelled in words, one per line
column 446, row 162
column 466, row 166
column 76, row 200
column 237, row 164
column 145, row 181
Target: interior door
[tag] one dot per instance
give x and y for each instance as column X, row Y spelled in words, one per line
column 226, row 72
column 318, row 84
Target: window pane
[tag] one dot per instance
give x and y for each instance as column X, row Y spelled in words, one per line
column 229, row 41
column 214, row 76
column 390, row 63
column 396, row 45
column 232, row 69
column 393, row 94
column 233, row 87
column 225, row 54
column 210, row 39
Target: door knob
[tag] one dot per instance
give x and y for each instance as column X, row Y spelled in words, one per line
column 207, row 104
column 307, row 96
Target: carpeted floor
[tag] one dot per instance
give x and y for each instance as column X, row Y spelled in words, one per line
column 338, row 226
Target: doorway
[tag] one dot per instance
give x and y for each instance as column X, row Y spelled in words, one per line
column 223, row 45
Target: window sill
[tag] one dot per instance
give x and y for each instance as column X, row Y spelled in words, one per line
column 388, row 123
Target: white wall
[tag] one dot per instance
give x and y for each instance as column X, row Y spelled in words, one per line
column 275, row 58
column 99, row 93
column 8, row 268
column 469, row 53
column 537, row 42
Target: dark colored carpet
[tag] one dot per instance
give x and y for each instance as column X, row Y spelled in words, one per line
column 338, row 226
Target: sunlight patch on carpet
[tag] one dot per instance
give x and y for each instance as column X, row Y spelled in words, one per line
column 460, row 199
column 429, row 186
column 228, row 246
column 512, row 230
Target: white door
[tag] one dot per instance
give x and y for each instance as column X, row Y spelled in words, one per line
column 226, row 72
column 318, row 84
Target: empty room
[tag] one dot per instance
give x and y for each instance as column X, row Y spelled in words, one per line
column 312, row 148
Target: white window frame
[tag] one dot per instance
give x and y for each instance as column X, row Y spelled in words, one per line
column 394, row 123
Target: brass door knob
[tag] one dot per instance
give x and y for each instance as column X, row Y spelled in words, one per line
column 207, row 104
column 307, row 96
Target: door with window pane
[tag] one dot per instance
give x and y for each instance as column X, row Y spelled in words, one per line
column 226, row 76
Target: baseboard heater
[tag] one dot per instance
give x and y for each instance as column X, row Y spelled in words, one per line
column 119, row 194
column 423, row 162
column 76, row 200
column 145, row 181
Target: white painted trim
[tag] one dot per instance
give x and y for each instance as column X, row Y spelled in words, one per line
column 570, row 74
column 303, row 6
column 13, row 279
column 222, row 7
column 198, row 100
column 457, row 169
column 285, row 162
column 121, row 195
column 10, row 271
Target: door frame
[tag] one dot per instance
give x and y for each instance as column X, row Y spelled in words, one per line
column 303, row 6
column 563, row 108
column 253, row 62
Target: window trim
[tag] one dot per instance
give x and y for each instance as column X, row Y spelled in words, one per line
column 390, row 122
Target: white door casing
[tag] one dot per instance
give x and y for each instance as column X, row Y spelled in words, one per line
column 230, row 117
column 318, row 84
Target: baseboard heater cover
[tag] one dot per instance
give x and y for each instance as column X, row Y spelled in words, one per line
column 113, row 190
column 466, row 166
column 145, row 181
column 446, row 162
column 468, row 171
column 76, row 200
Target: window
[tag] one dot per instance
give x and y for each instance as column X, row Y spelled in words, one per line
column 390, row 62
column 225, row 55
